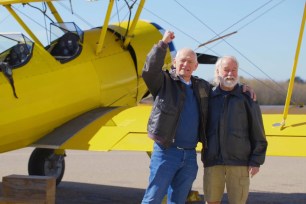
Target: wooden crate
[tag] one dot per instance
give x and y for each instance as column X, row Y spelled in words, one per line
column 23, row 187
column 20, row 201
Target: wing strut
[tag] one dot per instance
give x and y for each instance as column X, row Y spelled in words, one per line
column 104, row 28
column 296, row 58
column 129, row 35
column 54, row 12
column 31, row 34
column 23, row 25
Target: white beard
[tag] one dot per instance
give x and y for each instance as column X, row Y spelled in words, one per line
column 228, row 82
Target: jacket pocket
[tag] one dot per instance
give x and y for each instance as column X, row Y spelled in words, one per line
column 239, row 144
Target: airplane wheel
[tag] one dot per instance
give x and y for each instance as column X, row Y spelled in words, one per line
column 44, row 162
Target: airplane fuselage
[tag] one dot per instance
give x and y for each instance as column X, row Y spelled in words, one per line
column 51, row 93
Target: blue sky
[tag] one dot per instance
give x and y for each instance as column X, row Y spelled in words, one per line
column 265, row 42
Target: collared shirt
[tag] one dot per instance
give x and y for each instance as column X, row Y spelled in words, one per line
column 185, row 82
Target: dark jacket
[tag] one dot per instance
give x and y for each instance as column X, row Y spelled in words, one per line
column 168, row 93
column 235, row 132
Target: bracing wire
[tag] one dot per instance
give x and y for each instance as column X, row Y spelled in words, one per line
column 75, row 14
column 130, row 7
column 282, row 92
column 30, row 18
column 44, row 11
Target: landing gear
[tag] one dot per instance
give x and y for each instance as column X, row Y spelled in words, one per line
column 45, row 162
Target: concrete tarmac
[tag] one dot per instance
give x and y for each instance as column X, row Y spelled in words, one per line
column 120, row 177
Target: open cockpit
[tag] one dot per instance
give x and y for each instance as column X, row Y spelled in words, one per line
column 66, row 44
column 16, row 49
column 66, row 41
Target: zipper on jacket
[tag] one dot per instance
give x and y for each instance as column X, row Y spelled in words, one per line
column 223, row 119
column 199, row 98
column 178, row 115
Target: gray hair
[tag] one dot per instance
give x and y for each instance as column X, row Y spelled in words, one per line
column 189, row 51
column 218, row 66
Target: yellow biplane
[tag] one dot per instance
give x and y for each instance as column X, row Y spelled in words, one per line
column 80, row 92
column 84, row 91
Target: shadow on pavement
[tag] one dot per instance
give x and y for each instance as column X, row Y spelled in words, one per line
column 275, row 198
column 71, row 193
column 83, row 193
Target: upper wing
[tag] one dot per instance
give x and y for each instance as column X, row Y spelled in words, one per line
column 7, row 2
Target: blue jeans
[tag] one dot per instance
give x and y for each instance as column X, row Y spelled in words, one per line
column 172, row 172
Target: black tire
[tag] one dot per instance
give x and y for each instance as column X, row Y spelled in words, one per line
column 44, row 162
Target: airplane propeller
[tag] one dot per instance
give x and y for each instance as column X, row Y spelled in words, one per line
column 206, row 59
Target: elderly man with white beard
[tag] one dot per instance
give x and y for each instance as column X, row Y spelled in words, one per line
column 236, row 143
